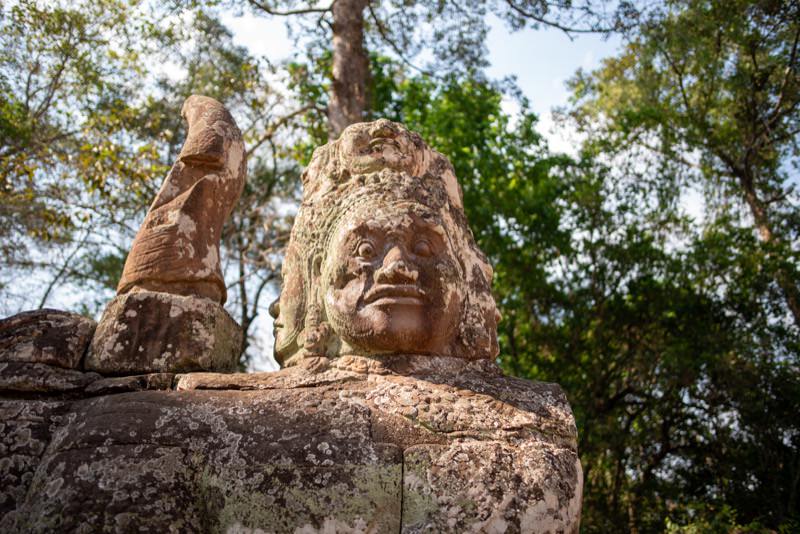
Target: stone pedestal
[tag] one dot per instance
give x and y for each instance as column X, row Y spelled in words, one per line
column 152, row 332
column 406, row 444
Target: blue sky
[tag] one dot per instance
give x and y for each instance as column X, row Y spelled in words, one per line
column 543, row 61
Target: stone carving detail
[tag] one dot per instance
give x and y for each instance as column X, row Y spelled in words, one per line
column 167, row 316
column 177, row 248
column 381, row 259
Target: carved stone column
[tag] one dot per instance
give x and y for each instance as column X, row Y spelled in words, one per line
column 167, row 315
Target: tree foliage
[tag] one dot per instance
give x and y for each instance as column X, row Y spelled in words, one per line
column 65, row 107
column 89, row 128
column 712, row 90
column 692, row 419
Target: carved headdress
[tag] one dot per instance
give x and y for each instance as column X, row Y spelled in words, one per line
column 374, row 166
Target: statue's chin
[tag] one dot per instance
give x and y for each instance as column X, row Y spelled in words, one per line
column 396, row 330
column 391, row 343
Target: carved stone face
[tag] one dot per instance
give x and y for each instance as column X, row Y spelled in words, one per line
column 381, row 259
column 288, row 309
column 392, row 283
column 372, row 146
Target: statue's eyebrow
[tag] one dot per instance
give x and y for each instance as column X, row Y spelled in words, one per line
column 377, row 228
column 431, row 226
column 363, row 227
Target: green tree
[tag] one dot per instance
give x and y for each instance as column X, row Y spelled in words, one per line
column 66, row 93
column 686, row 412
column 711, row 89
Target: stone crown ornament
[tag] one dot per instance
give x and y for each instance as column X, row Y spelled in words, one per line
column 381, row 259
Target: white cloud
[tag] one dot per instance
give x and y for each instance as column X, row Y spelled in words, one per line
column 263, row 36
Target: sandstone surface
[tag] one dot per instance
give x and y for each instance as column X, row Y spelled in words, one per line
column 404, row 444
column 46, row 336
column 177, row 247
column 152, row 332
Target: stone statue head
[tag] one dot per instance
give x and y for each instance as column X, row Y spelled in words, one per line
column 381, row 259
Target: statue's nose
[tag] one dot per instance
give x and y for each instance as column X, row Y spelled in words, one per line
column 275, row 308
column 396, row 269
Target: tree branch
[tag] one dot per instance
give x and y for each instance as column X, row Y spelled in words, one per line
column 774, row 115
column 542, row 20
column 385, row 36
column 63, row 269
column 266, row 9
column 274, row 127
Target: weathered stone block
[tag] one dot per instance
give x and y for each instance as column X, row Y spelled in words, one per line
column 490, row 486
column 41, row 378
column 399, row 444
column 45, row 336
column 151, row 332
column 198, row 461
column 146, row 488
column 25, row 430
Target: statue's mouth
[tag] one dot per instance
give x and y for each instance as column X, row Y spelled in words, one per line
column 395, row 294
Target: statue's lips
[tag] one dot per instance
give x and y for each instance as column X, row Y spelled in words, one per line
column 395, row 294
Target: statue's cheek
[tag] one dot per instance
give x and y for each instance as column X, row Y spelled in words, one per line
column 446, row 286
column 345, row 299
column 442, row 274
column 448, row 271
column 347, row 274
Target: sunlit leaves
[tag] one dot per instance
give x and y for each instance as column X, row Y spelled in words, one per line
column 703, row 95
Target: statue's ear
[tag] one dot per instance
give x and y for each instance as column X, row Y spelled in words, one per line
column 315, row 312
column 477, row 337
column 292, row 306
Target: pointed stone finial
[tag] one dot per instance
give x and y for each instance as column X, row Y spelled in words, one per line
column 177, row 248
column 167, row 316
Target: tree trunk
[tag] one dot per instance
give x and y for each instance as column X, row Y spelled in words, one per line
column 761, row 217
column 348, row 99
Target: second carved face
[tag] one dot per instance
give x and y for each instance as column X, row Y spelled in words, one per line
column 372, row 146
column 392, row 283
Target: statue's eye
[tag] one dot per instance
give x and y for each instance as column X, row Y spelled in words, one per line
column 365, row 250
column 423, row 248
